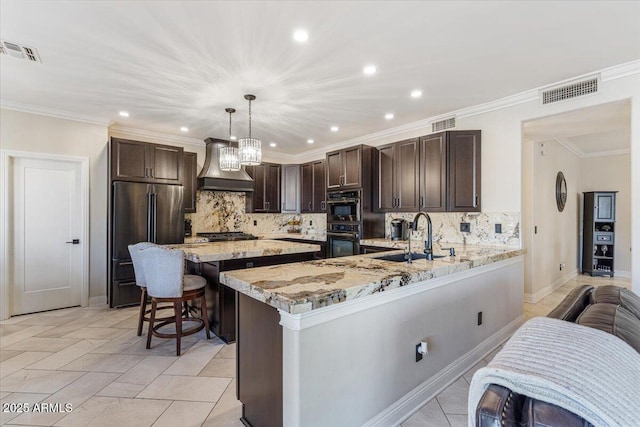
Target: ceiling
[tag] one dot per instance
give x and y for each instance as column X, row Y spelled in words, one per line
column 173, row 64
column 591, row 131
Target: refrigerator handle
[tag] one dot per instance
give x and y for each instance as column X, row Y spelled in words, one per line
column 149, row 218
column 154, row 198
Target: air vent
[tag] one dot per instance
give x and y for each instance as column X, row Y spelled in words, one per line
column 573, row 90
column 18, row 51
column 443, row 124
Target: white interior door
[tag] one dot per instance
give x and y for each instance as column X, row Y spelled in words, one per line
column 45, row 266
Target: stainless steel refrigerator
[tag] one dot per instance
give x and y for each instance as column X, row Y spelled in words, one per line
column 140, row 213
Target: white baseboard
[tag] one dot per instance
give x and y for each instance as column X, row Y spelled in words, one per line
column 411, row 402
column 623, row 274
column 102, row 300
column 534, row 298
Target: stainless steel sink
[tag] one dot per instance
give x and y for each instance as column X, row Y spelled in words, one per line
column 402, row 257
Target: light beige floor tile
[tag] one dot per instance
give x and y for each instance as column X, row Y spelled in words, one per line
column 458, row 420
column 8, row 354
column 227, row 352
column 6, row 330
column 95, row 333
column 192, row 361
column 35, row 381
column 20, row 399
column 45, row 321
column 42, row 344
column 469, row 374
column 184, row 414
column 489, row 357
column 197, row 389
column 128, row 323
column 138, row 377
column 113, row 318
column 430, row 415
column 121, row 343
column 8, row 341
column 4, row 394
column 62, row 330
column 62, row 311
column 74, row 394
column 103, row 363
column 453, row 400
column 160, row 346
column 219, row 367
column 68, row 355
column 21, row 361
column 227, row 411
column 17, row 319
column 115, row 411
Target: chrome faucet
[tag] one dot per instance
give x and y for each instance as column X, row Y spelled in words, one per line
column 428, row 244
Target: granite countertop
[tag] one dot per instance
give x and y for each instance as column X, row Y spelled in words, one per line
column 318, row 237
column 305, row 286
column 220, row 251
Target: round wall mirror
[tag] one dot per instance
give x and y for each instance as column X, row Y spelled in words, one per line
column 561, row 191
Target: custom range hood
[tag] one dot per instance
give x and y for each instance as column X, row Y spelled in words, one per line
column 213, row 178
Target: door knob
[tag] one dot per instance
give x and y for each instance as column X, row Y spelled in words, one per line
column 74, row 242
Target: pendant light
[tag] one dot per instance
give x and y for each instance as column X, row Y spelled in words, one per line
column 229, row 158
column 250, row 149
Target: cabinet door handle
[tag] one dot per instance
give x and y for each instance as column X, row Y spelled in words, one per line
column 146, row 172
column 309, row 205
column 475, row 201
column 151, row 172
column 422, row 201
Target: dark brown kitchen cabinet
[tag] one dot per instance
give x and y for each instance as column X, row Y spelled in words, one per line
column 314, row 191
column 449, row 177
column 349, row 167
column 190, row 181
column 266, row 193
column 397, row 170
column 463, row 165
column 145, row 162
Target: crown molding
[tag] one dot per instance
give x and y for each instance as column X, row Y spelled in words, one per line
column 53, row 112
column 124, row 131
column 570, row 146
column 620, row 71
column 566, row 143
column 608, row 153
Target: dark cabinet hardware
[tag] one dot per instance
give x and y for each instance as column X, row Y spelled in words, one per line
column 74, row 242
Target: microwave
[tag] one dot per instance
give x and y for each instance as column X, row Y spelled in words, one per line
column 343, row 206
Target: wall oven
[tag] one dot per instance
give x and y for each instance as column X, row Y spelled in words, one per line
column 343, row 240
column 343, row 206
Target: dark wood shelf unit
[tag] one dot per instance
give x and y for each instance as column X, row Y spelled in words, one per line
column 598, row 233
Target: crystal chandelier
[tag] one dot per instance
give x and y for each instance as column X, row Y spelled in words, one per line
column 250, row 149
column 229, row 158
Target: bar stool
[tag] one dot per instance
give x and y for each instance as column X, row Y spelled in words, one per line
column 141, row 282
column 166, row 282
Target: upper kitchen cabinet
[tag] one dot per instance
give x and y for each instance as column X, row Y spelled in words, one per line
column 314, row 191
column 266, row 194
column 145, row 162
column 290, row 189
column 349, row 167
column 397, row 171
column 190, row 181
column 450, row 171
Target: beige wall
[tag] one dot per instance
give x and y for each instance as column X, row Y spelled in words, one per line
column 613, row 173
column 41, row 134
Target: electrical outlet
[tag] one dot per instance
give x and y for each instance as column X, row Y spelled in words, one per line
column 418, row 354
column 310, row 223
column 465, row 227
column 255, row 222
column 479, row 318
column 498, row 228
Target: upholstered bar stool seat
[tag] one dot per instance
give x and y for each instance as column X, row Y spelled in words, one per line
column 166, row 282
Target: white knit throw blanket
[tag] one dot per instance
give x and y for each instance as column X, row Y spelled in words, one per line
column 584, row 370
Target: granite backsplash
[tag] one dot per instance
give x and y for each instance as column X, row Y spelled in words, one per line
column 225, row 211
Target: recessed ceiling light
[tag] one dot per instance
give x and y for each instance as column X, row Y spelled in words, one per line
column 334, row 128
column 310, row 141
column 124, row 113
column 416, row 93
column 273, row 144
column 389, row 116
column 369, row 70
column 300, row 36
column 232, row 137
column 184, row 129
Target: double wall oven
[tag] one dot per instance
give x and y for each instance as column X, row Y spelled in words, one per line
column 344, row 223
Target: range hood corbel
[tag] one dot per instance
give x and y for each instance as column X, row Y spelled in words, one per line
column 214, row 179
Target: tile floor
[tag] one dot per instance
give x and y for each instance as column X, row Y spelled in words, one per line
column 92, row 359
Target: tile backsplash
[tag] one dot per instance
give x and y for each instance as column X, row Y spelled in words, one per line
column 225, row 211
column 446, row 227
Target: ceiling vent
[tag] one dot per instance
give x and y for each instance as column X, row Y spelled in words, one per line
column 443, row 124
column 572, row 90
column 18, row 51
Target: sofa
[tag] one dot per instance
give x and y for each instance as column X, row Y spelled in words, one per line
column 611, row 309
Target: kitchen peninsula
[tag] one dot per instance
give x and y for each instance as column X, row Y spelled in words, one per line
column 332, row 342
column 210, row 258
